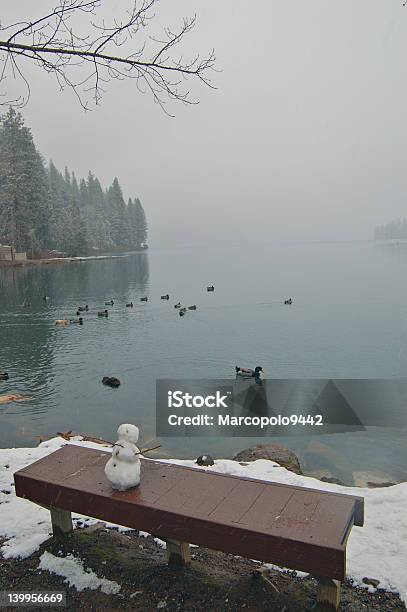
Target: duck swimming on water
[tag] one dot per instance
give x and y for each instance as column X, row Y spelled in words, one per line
column 289, row 301
column 103, row 313
column 62, row 322
column 83, row 308
column 78, row 321
column 3, row 376
column 129, row 305
column 165, row 297
column 111, row 303
column 192, row 307
column 210, row 288
column 178, row 305
column 111, row 381
column 248, row 372
column 144, row 299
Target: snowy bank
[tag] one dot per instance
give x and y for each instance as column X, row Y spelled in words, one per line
column 75, row 574
column 377, row 550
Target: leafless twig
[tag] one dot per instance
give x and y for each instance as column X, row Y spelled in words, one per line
column 84, row 53
column 262, row 571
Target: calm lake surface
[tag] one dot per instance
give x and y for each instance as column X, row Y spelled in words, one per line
column 348, row 320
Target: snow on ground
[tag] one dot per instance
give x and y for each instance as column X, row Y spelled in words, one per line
column 377, row 550
column 75, row 574
column 24, row 524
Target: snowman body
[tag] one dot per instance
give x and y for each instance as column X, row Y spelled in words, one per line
column 123, row 468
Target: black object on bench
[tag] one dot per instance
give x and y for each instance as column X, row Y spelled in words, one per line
column 294, row 527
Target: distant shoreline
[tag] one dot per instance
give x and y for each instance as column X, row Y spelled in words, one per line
column 52, row 260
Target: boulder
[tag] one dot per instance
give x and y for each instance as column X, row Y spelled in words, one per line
column 205, row 460
column 274, row 452
column 371, row 582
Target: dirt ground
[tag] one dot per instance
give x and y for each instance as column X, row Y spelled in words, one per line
column 215, row 581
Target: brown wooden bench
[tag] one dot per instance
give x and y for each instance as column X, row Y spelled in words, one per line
column 294, row 527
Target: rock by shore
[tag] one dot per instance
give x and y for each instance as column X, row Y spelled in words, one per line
column 274, row 452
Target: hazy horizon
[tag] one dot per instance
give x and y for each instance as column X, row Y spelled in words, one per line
column 302, row 140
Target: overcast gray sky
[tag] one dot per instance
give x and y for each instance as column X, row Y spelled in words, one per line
column 305, row 137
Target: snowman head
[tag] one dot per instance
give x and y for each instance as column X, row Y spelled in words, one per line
column 128, row 432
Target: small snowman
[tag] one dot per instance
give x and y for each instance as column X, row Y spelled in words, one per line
column 123, row 468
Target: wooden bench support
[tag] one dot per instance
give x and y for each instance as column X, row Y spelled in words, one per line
column 61, row 521
column 328, row 594
column 178, row 553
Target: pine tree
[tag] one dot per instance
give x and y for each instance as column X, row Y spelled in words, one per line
column 58, row 212
column 93, row 207
column 24, row 201
column 137, row 223
column 117, row 216
column 79, row 238
column 141, row 223
column 75, row 238
column 131, row 223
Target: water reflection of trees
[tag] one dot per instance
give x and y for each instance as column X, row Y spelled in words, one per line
column 113, row 276
column 28, row 336
column 92, row 278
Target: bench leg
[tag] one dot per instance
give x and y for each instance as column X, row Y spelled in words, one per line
column 328, row 593
column 61, row 521
column 178, row 553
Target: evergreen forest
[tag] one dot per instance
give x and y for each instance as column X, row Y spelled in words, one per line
column 42, row 208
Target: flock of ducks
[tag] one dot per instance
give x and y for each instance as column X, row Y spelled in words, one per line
column 113, row 382
column 85, row 309
column 183, row 309
column 105, row 313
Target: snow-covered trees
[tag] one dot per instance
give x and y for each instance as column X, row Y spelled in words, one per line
column 138, row 221
column 24, row 194
column 67, row 230
column 118, row 215
column 42, row 208
column 392, row 231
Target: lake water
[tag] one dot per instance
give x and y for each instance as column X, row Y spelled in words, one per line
column 348, row 320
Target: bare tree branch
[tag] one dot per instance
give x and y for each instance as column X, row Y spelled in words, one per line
column 86, row 63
